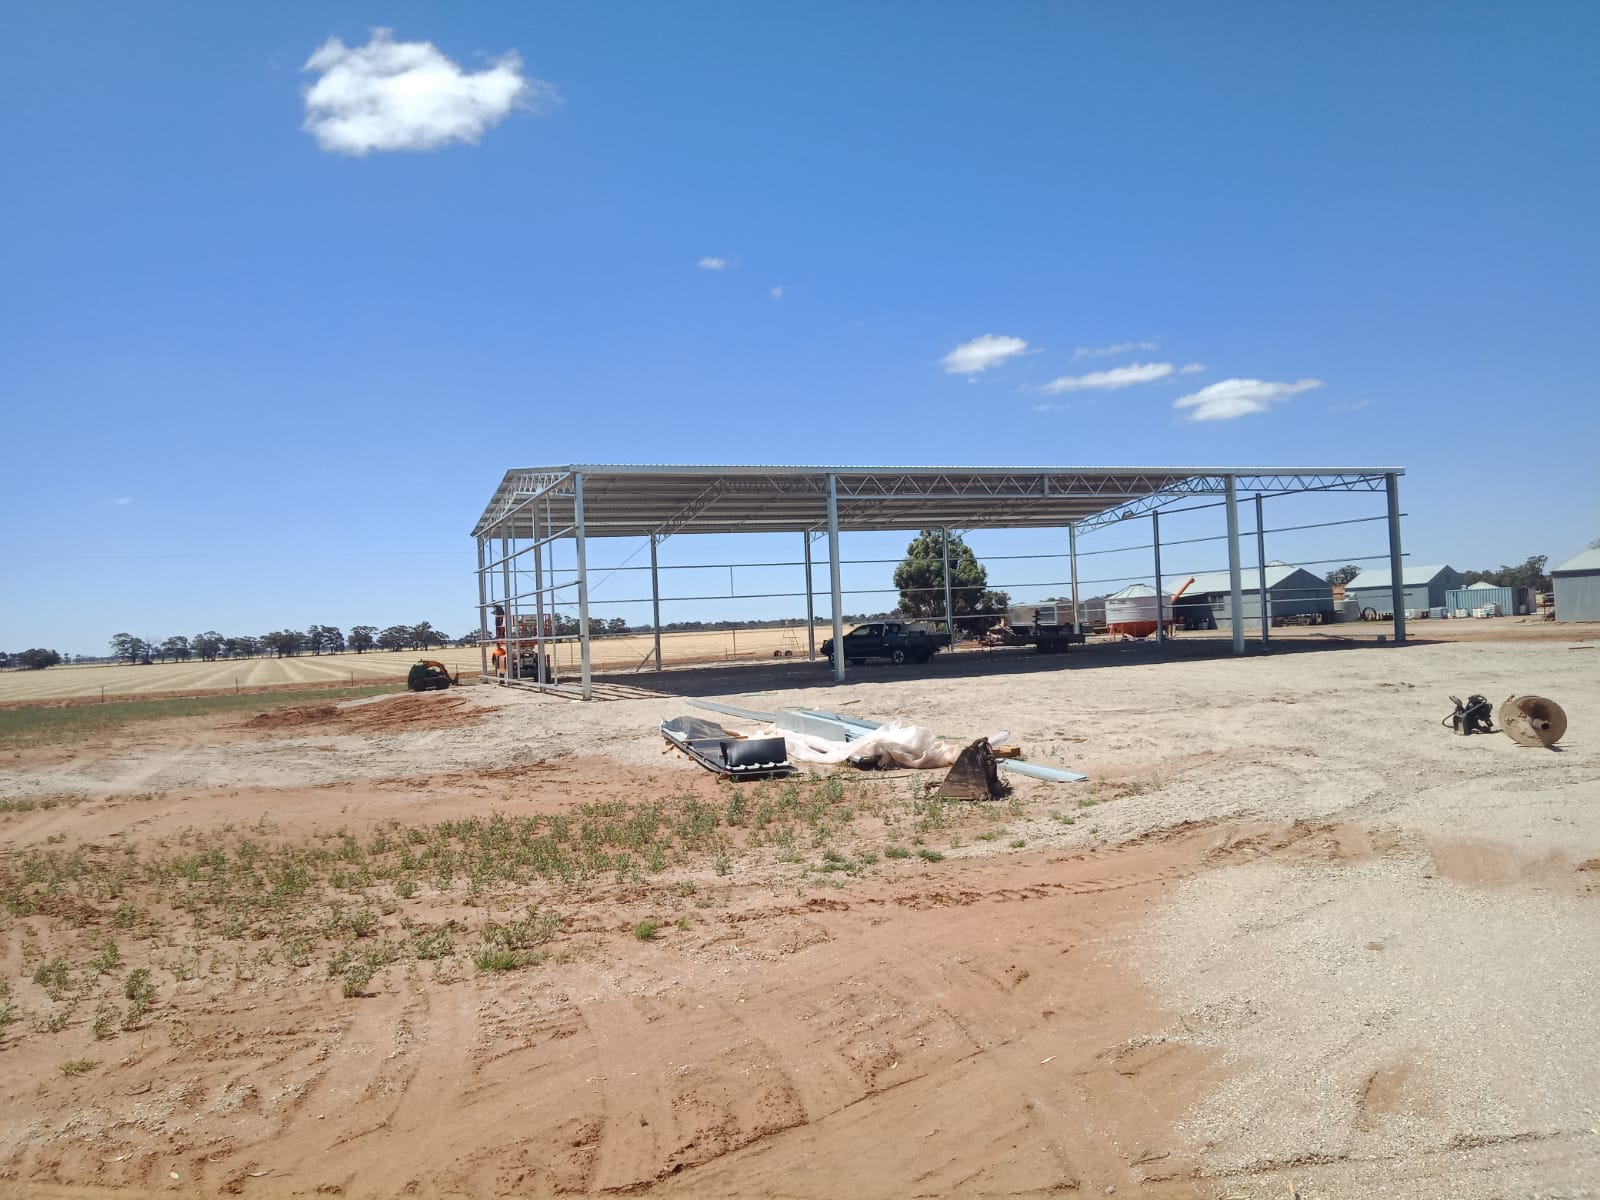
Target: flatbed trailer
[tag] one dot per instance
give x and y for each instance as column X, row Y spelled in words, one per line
column 1045, row 627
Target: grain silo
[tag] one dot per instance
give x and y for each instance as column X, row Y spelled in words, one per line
column 1132, row 611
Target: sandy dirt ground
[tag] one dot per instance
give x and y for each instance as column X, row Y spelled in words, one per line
column 1291, row 937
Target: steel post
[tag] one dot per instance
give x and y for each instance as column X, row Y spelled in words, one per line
column 833, row 572
column 1072, row 557
column 949, row 601
column 655, row 598
column 541, row 649
column 1261, row 563
column 583, row 586
column 1155, row 540
column 483, row 613
column 1397, row 590
column 811, row 616
column 506, row 663
column 1235, row 586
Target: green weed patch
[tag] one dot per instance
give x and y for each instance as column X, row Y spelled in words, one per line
column 43, row 725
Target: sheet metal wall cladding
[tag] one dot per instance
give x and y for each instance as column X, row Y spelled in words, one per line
column 1511, row 600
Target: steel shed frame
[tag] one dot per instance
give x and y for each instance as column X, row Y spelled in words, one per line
column 535, row 508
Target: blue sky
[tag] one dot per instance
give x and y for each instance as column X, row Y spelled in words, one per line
column 263, row 364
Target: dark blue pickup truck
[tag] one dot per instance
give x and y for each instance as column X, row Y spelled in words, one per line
column 894, row 640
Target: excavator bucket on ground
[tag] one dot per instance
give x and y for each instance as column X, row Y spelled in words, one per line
column 976, row 776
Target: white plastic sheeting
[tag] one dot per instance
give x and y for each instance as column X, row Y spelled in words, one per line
column 891, row 745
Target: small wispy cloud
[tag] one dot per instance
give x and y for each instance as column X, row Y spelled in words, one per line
column 981, row 353
column 712, row 264
column 120, row 500
column 1191, row 368
column 776, row 292
column 1230, row 398
column 1108, row 351
column 1349, row 405
column 1108, row 381
column 390, row 95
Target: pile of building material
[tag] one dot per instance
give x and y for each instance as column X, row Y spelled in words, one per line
column 814, row 735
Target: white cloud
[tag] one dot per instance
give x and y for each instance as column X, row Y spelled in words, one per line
column 1239, row 397
column 981, row 353
column 712, row 264
column 1191, row 368
column 1108, row 381
column 1349, row 406
column 1108, row 351
column 123, row 500
column 777, row 292
column 390, row 95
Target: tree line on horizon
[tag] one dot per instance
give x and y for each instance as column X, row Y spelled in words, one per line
column 281, row 643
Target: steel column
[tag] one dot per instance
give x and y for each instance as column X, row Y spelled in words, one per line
column 1155, row 540
column 1261, row 562
column 655, row 599
column 949, row 601
column 1397, row 590
column 1072, row 556
column 483, row 613
column 833, row 572
column 541, row 649
column 505, row 602
column 1235, row 586
column 583, row 585
column 811, row 616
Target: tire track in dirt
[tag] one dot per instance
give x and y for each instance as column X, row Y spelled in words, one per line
column 958, row 1031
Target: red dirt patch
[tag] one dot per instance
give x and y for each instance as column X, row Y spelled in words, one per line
column 388, row 714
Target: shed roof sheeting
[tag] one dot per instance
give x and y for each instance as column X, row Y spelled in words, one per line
column 1380, row 577
column 1210, row 583
column 624, row 501
column 1588, row 560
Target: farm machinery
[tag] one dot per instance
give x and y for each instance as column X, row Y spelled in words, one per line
column 429, row 675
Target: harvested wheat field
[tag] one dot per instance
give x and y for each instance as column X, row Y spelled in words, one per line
column 1291, row 937
column 626, row 653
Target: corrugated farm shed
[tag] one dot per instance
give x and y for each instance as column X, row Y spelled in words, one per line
column 1291, row 591
column 1424, row 587
column 1577, row 587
